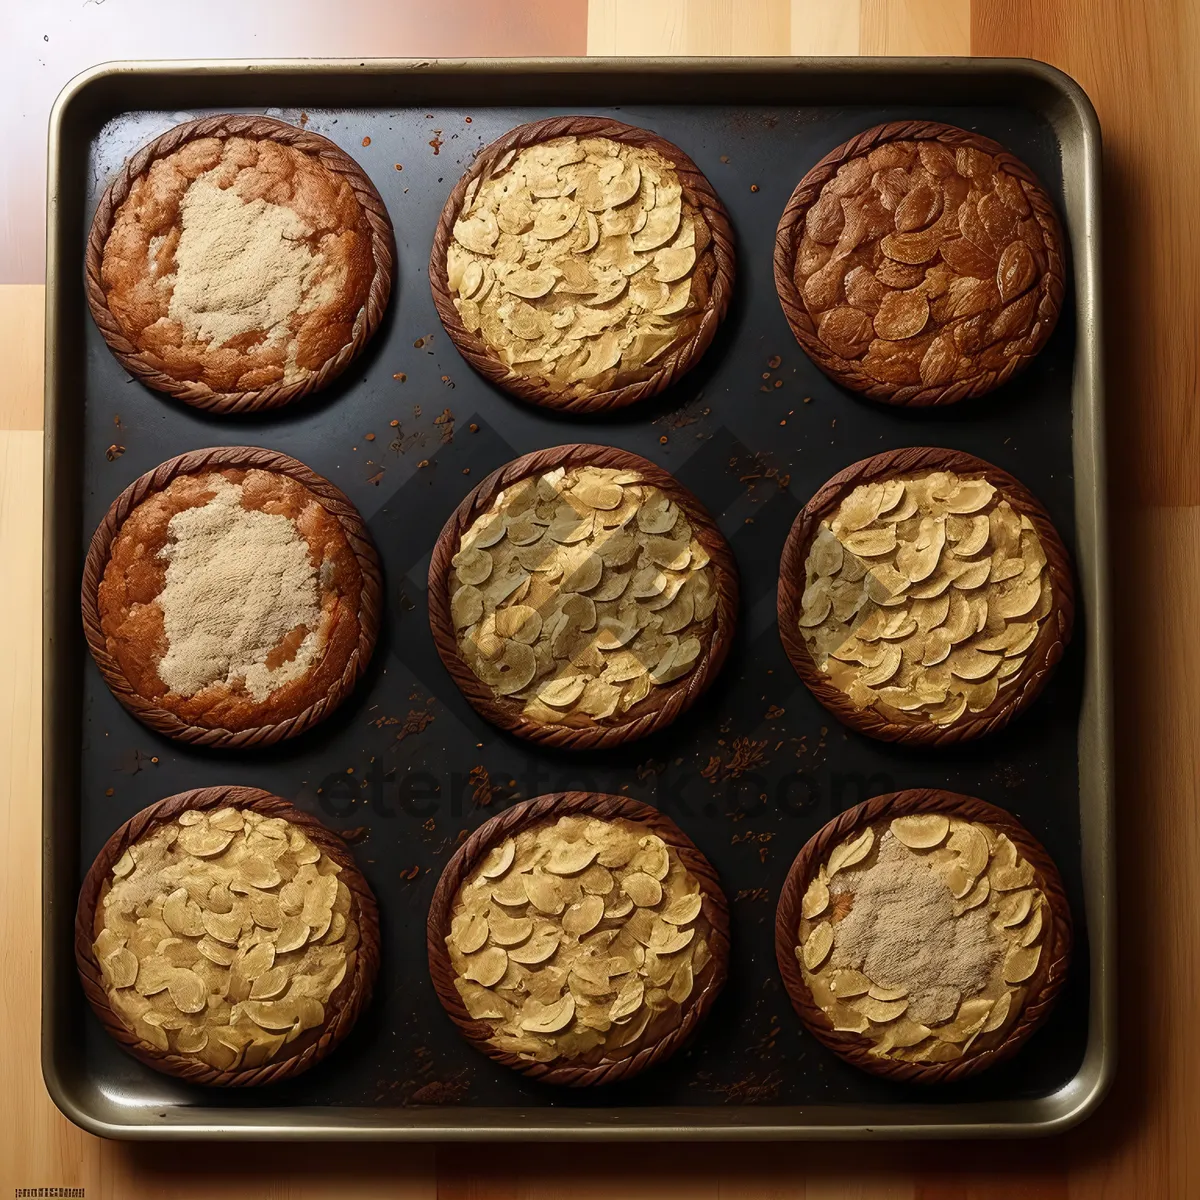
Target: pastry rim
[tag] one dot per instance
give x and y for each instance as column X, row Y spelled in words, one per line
column 539, row 811
column 1043, row 989
column 142, row 825
column 332, row 499
column 1054, row 632
column 791, row 231
column 664, row 704
column 677, row 361
column 257, row 128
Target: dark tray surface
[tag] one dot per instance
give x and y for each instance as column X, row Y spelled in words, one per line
column 731, row 436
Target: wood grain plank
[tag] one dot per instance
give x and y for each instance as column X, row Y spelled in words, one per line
column 1138, row 64
column 933, row 27
column 650, row 27
column 829, row 27
column 22, row 318
column 35, row 1142
column 1143, row 1142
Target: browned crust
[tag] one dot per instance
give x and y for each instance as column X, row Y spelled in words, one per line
column 525, row 816
column 697, row 191
column 1044, row 654
column 274, row 395
column 354, row 998
column 791, row 229
column 359, row 540
column 663, row 705
column 1044, row 988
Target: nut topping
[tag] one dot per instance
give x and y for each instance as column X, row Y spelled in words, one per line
column 579, row 592
column 222, row 936
column 562, row 974
column 923, row 595
column 923, row 268
column 580, row 263
column 911, row 948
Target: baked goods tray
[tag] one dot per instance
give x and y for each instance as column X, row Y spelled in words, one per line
column 407, row 768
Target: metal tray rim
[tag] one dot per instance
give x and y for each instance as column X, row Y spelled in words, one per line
column 1048, row 1115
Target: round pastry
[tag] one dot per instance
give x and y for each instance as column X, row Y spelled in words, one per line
column 582, row 263
column 578, row 938
column 238, row 263
column 923, row 935
column 231, row 597
column 924, row 596
column 580, row 596
column 920, row 264
column 226, row 937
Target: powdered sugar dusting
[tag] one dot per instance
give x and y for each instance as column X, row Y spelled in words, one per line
column 902, row 932
column 243, row 267
column 237, row 583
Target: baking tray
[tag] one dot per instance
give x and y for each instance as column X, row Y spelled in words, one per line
column 748, row 782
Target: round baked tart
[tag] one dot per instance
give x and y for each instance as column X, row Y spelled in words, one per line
column 225, row 937
column 923, row 935
column 238, row 263
column 924, row 596
column 580, row 596
column 582, row 264
column 231, row 597
column 578, row 938
column 920, row 264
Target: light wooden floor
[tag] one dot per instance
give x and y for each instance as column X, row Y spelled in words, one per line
column 1139, row 64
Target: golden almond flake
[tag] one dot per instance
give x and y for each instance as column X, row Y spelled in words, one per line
column 850, row 853
column 487, row 967
column 1007, row 879
column 935, row 574
column 999, row 1013
column 469, row 933
column 550, row 1018
column 848, row 1020
column 644, row 890
column 1021, row 963
column 583, row 916
column 499, row 859
column 970, row 844
column 816, row 899
column 975, row 897
column 921, row 831
column 880, row 1011
column 203, row 842
column 571, row 857
column 540, row 948
column 818, row 945
column 1033, row 930
column 120, row 968
column 683, row 910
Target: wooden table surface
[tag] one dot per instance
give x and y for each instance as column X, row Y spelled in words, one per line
column 1138, row 62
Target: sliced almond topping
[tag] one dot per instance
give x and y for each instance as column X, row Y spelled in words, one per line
column 818, row 945
column 922, row 831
